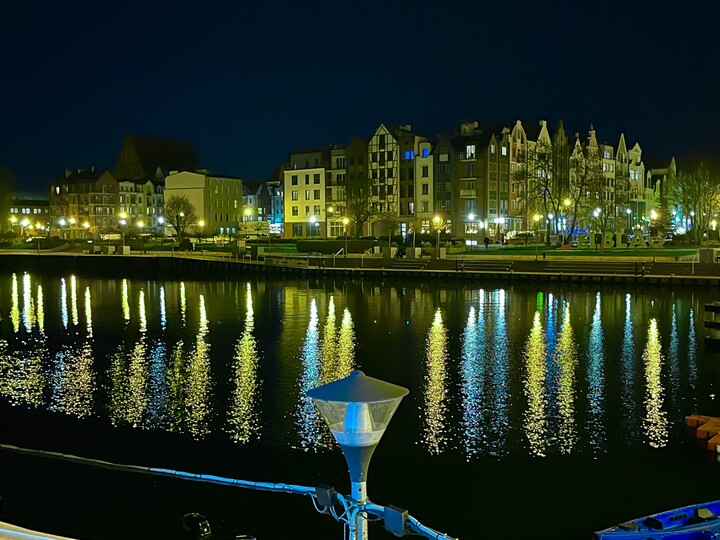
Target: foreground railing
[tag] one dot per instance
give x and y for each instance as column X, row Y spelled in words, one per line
column 325, row 499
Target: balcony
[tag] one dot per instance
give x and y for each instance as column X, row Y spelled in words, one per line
column 468, row 193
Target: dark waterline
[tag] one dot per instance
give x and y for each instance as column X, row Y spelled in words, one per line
column 558, row 408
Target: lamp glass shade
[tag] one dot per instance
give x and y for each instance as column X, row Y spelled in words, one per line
column 357, row 424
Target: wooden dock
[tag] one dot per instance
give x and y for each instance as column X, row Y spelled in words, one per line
column 707, row 428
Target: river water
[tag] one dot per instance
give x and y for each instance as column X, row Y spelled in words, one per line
column 551, row 410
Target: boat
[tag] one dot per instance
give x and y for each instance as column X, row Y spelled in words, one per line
column 695, row 522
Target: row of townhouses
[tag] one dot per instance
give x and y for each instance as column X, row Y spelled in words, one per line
column 472, row 182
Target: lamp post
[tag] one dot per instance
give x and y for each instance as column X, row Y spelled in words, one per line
column 628, row 212
column 550, row 224
column 653, row 217
column 140, row 226
column 536, row 219
column 346, row 221
column 437, row 221
column 201, row 224
column 596, row 213
column 86, row 226
column 471, row 218
column 358, row 409
column 328, row 215
column 123, row 222
column 567, row 203
column 313, row 223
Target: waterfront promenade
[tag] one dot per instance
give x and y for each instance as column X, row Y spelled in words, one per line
column 669, row 270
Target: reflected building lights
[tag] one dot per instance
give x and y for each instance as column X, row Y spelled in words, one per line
column 199, row 381
column 243, row 415
column 471, row 370
column 435, row 392
column 627, row 361
column 692, row 362
column 74, row 301
column 596, row 380
column 565, row 358
column 329, row 346
column 88, row 313
column 163, row 311
column 534, row 423
column 125, row 301
column 655, row 424
column 28, row 311
column 499, row 374
column 14, row 305
column 311, row 431
column 63, row 303
column 346, row 346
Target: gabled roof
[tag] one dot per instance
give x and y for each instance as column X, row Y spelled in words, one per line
column 141, row 157
column 80, row 176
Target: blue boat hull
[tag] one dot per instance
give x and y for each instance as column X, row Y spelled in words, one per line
column 694, row 522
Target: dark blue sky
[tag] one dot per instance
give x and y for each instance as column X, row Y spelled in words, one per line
column 248, row 84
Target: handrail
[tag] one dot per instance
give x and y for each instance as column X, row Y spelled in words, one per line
column 362, row 259
column 350, row 507
column 336, row 254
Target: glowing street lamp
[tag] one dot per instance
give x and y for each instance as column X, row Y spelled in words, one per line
column 346, row 221
column 536, row 219
column 437, row 220
column 358, row 409
column 328, row 216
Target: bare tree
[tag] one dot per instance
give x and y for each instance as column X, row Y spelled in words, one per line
column 180, row 214
column 599, row 204
column 698, row 193
column 358, row 193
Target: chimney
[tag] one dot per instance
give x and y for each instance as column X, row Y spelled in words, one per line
column 68, row 173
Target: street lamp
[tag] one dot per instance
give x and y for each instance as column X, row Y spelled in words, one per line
column 596, row 213
column 86, row 226
column 536, row 219
column 140, row 226
column 346, row 221
column 123, row 222
column 471, row 218
column 437, row 221
column 358, row 409
column 653, row 217
column 328, row 215
column 313, row 223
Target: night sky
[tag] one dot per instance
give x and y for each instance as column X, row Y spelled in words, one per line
column 248, row 84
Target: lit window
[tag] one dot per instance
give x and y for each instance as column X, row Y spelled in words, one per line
column 470, row 151
column 504, row 150
column 425, row 152
column 492, row 148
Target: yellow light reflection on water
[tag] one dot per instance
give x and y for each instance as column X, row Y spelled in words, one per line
column 534, row 423
column 566, row 357
column 163, row 310
column 243, row 415
column 655, row 424
column 14, row 305
column 74, row 381
column 40, row 309
column 435, row 392
column 63, row 303
column 183, row 303
column 125, row 300
column 74, row 301
column 28, row 312
column 199, row 380
column 329, row 346
column 88, row 312
column 346, row 346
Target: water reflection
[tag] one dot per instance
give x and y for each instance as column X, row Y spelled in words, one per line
column 655, row 425
column 565, row 358
column 435, row 391
column 534, row 424
column 627, row 362
column 309, row 423
column 596, row 379
column 472, row 383
column 524, row 373
column 243, row 415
